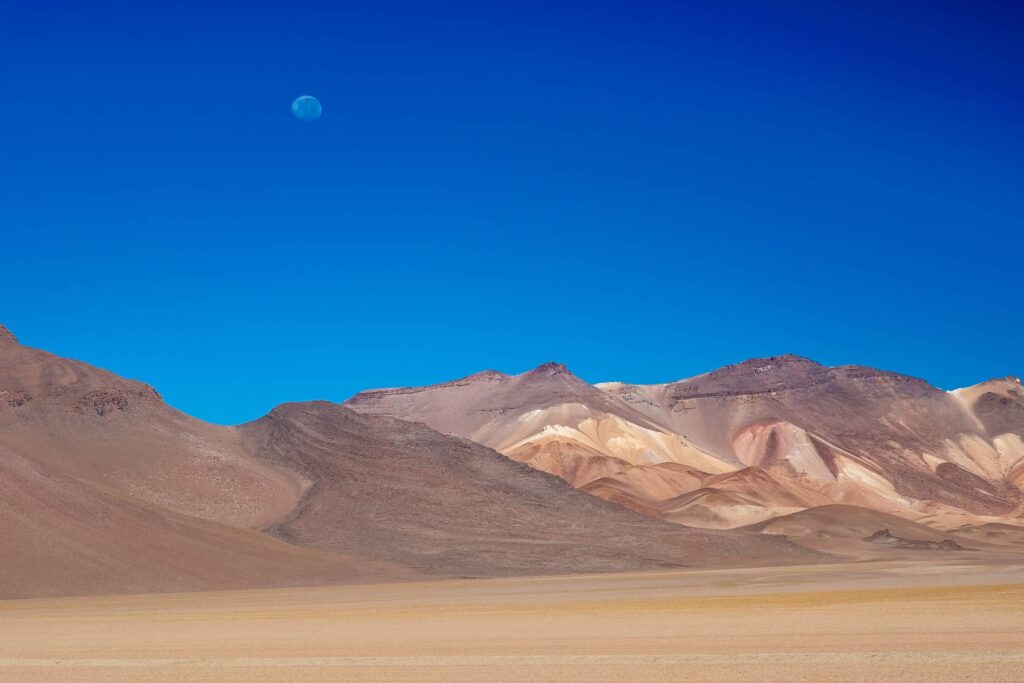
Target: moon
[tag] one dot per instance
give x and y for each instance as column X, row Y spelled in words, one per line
column 307, row 108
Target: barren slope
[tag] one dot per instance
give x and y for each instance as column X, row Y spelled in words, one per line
column 61, row 536
column 546, row 410
column 555, row 422
column 77, row 420
column 397, row 491
column 849, row 435
column 860, row 436
column 864, row 534
column 105, row 488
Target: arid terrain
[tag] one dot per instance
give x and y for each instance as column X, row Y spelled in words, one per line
column 603, row 342
column 773, row 520
column 107, row 489
column 748, row 442
column 882, row 621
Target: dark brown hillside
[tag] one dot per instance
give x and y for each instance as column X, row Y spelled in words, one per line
column 400, row 492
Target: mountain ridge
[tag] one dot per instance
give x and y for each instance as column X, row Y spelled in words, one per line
column 104, row 487
column 853, row 434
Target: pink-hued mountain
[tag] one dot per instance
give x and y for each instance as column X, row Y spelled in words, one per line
column 105, row 488
column 748, row 442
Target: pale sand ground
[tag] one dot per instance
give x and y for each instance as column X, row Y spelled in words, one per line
column 874, row 621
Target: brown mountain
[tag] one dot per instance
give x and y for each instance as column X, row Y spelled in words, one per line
column 63, row 536
column 403, row 493
column 105, row 488
column 748, row 442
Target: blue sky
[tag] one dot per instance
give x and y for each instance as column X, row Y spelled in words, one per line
column 643, row 191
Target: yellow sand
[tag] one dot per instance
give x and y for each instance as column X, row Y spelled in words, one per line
column 883, row 621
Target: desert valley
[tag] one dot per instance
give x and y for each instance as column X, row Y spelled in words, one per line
column 776, row 517
column 482, row 341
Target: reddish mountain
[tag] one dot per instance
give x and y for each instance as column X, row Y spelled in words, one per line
column 105, row 488
column 849, row 434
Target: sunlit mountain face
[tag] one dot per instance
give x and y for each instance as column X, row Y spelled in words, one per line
column 749, row 442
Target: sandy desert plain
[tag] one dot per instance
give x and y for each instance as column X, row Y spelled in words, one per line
column 887, row 620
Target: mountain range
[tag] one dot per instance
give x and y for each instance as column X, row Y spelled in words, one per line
column 747, row 442
column 105, row 488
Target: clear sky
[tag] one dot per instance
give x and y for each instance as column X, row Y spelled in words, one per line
column 642, row 191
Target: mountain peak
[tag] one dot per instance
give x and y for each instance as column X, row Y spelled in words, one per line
column 786, row 359
column 6, row 336
column 756, row 375
column 788, row 364
column 999, row 385
column 550, row 368
column 484, row 376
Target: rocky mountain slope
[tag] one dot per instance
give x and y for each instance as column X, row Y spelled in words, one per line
column 748, row 442
column 106, row 488
column 403, row 493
